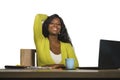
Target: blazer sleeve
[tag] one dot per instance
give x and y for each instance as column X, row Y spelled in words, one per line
column 37, row 29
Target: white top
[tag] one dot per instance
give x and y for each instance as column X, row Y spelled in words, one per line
column 57, row 58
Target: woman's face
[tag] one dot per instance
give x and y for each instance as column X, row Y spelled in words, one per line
column 54, row 27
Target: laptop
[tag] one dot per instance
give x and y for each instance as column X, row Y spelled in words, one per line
column 109, row 55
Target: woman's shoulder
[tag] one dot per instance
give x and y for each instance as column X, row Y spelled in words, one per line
column 66, row 44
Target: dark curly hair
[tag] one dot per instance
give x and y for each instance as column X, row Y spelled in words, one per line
column 63, row 36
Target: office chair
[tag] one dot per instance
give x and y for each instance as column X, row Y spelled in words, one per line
column 27, row 57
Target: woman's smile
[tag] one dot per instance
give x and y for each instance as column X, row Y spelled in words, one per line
column 54, row 26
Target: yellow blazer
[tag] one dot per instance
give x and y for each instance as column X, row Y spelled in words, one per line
column 43, row 46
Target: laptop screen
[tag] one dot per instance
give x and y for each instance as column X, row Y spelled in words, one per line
column 109, row 54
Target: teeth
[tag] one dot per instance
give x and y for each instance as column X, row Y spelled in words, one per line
column 54, row 28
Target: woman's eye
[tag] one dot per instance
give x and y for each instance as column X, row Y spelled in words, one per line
column 51, row 23
column 58, row 24
column 55, row 23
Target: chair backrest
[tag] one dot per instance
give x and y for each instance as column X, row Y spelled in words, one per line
column 27, row 57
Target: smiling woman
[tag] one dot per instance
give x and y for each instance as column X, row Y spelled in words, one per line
column 53, row 44
column 86, row 20
column 54, row 27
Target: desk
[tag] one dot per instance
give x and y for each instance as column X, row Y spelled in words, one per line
column 79, row 73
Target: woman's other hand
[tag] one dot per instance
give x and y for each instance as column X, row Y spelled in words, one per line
column 56, row 66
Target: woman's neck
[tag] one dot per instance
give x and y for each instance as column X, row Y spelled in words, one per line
column 53, row 38
column 54, row 44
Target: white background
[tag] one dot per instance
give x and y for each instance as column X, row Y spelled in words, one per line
column 87, row 22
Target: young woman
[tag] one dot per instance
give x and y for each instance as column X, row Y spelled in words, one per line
column 53, row 44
